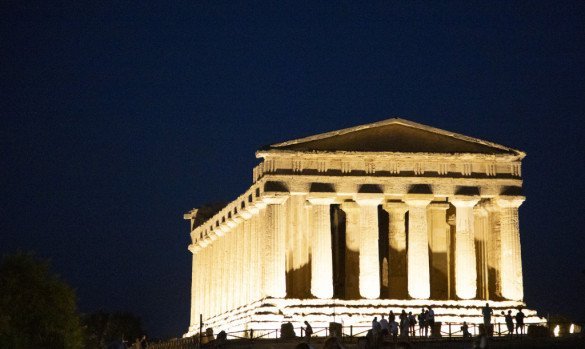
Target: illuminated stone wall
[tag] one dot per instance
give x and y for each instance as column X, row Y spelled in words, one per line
column 453, row 233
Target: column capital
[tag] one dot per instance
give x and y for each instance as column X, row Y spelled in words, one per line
column 480, row 211
column 321, row 198
column 369, row 199
column 395, row 207
column 439, row 206
column 274, row 199
column 464, row 200
column 194, row 248
column 349, row 205
column 509, row 201
column 418, row 200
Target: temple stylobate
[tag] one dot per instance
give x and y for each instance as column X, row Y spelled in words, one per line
column 350, row 224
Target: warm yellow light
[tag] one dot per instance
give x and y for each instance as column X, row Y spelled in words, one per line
column 556, row 331
column 572, row 329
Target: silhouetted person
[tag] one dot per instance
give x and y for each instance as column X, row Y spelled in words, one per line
column 520, row 322
column 404, row 324
column 427, row 320
column 384, row 326
column 465, row 330
column 412, row 323
column 394, row 330
column 431, row 317
column 308, row 331
column 509, row 322
column 487, row 313
column 421, row 322
column 391, row 316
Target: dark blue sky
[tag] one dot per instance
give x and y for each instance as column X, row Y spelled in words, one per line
column 116, row 118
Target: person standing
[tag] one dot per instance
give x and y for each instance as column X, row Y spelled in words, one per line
column 391, row 316
column 401, row 321
column 487, row 318
column 385, row 326
column 404, row 323
column 465, row 330
column 509, row 323
column 412, row 323
column 421, row 322
column 394, row 329
column 430, row 319
column 520, row 321
column 308, row 331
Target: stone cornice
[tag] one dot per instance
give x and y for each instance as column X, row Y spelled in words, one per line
column 390, row 164
column 399, row 156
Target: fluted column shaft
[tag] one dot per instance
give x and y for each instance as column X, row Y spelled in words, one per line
column 369, row 251
column 418, row 247
column 397, row 280
column 247, row 271
column 481, row 239
column 321, row 254
column 512, row 286
column 195, row 287
column 352, row 245
column 208, row 300
column 440, row 248
column 275, row 267
column 465, row 259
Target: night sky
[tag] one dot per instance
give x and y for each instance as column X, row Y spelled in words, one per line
column 116, row 118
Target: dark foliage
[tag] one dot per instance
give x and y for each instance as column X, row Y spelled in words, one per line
column 37, row 309
column 102, row 328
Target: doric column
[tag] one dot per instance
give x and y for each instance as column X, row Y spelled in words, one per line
column 352, row 246
column 494, row 249
column 369, row 251
column 275, row 267
column 397, row 280
column 241, row 286
column 221, row 269
column 209, row 270
column 195, row 288
column 321, row 254
column 439, row 244
column 248, row 283
column 465, row 267
column 511, row 257
column 481, row 241
column 227, row 264
column 418, row 246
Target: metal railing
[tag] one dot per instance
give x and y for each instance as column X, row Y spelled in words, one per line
column 446, row 330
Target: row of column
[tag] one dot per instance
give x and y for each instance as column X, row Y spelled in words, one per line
column 362, row 222
column 249, row 261
column 228, row 272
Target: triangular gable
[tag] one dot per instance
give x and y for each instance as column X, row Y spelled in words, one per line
column 393, row 135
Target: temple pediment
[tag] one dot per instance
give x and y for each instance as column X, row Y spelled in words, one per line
column 392, row 136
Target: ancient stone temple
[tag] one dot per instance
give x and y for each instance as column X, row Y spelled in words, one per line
column 347, row 225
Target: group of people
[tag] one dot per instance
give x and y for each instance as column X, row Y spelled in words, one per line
column 406, row 324
column 487, row 313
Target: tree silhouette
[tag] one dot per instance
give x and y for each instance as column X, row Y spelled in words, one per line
column 37, row 308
